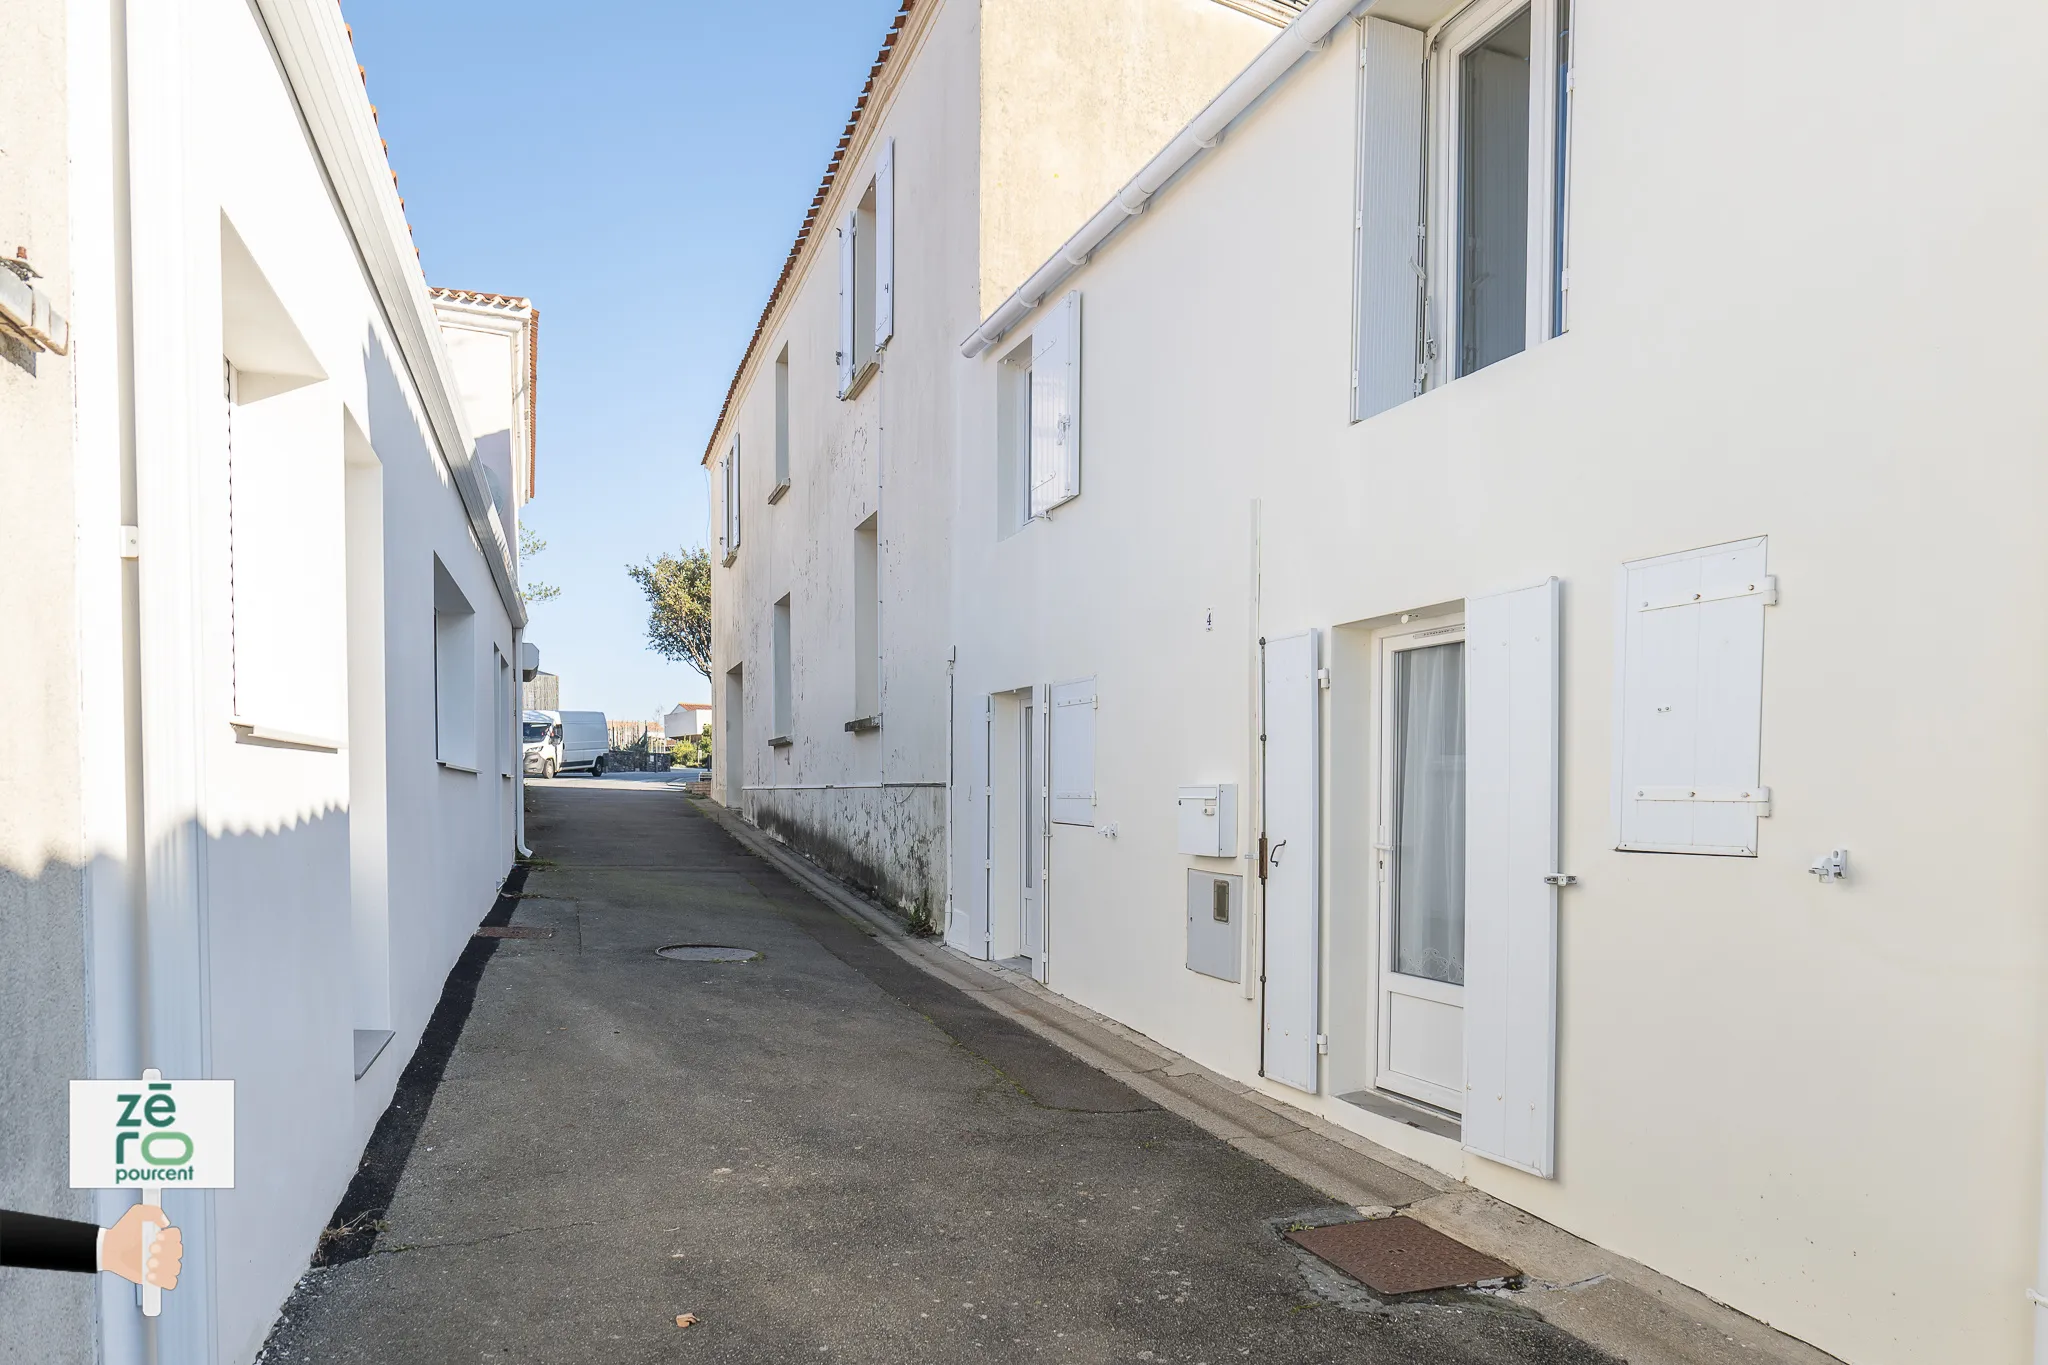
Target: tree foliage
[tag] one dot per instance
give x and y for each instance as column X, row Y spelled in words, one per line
column 530, row 590
column 678, row 607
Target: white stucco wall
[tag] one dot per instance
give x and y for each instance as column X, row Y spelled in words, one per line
column 314, row 866
column 1768, row 337
column 43, row 938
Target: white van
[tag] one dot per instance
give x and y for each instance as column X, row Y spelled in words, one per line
column 565, row 742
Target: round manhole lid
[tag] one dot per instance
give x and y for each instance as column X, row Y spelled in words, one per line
column 705, row 952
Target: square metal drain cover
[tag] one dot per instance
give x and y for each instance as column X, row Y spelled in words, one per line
column 1400, row 1256
column 513, row 931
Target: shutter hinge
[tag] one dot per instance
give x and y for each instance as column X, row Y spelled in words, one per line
column 1571, row 78
column 1323, row 679
column 131, row 542
column 1358, row 218
column 1322, row 1045
column 1560, row 879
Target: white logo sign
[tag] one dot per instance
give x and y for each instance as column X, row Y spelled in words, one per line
column 152, row 1132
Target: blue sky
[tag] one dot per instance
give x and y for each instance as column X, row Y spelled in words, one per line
column 638, row 170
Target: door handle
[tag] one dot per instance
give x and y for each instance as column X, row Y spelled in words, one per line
column 1273, row 854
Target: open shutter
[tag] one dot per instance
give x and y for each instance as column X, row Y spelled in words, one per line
column 1290, row 708
column 1511, row 741
column 885, row 245
column 1056, row 406
column 1689, row 701
column 1038, row 937
column 732, row 497
column 1073, row 753
column 1387, row 362
column 848, row 226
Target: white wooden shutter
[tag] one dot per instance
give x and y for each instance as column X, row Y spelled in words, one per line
column 848, row 226
column 1291, row 811
column 1511, row 744
column 732, row 497
column 1689, row 701
column 1387, row 361
column 885, row 245
column 1056, row 406
column 1038, row 930
column 1073, row 753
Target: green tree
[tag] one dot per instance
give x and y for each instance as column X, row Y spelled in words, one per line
column 678, row 607
column 531, row 591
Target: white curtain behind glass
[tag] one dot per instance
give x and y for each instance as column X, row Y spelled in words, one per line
column 1429, row 812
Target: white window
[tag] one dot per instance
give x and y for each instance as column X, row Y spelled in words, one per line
column 1689, row 701
column 781, row 721
column 729, row 474
column 867, row 626
column 503, row 717
column 781, row 427
column 455, row 680
column 1460, row 226
column 1072, row 741
column 867, row 276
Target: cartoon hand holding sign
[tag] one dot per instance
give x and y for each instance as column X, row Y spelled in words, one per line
column 148, row 1133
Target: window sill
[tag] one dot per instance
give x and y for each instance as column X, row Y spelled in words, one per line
column 775, row 493
column 730, row 556
column 864, row 724
column 860, row 378
column 1406, row 1111
column 370, row 1044
column 456, row 767
column 780, row 741
column 255, row 732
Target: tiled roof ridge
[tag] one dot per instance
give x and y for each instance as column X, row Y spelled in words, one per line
column 803, row 233
column 481, row 297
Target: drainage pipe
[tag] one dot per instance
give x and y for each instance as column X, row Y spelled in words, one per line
column 1307, row 33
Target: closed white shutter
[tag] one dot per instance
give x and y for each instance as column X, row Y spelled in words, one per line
column 848, row 227
column 1511, row 744
column 1073, row 753
column 1689, row 701
column 1056, row 406
column 1290, row 708
column 885, row 245
column 1387, row 360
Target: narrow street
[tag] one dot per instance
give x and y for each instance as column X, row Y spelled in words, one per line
column 822, row 1153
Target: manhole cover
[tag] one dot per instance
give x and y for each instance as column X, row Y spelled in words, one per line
column 1400, row 1255
column 705, row 952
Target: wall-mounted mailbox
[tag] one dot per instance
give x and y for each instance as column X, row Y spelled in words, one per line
column 1215, row 923
column 1208, row 820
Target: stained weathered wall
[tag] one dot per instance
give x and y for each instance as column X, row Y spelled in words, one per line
column 43, row 1317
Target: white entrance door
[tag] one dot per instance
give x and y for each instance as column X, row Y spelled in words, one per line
column 1421, row 846
column 1290, row 714
column 1037, row 831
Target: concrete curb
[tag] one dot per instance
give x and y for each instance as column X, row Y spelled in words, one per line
column 1604, row 1299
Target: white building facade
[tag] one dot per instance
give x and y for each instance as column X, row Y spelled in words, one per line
column 284, row 608
column 1443, row 426
column 984, row 129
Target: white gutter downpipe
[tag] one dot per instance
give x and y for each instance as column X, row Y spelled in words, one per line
column 1307, row 33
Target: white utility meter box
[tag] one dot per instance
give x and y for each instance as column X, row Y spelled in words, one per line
column 1208, row 820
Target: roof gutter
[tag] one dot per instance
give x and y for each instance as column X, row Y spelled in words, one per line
column 312, row 44
column 1306, row 34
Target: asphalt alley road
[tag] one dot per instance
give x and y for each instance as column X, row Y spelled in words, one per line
column 824, row 1154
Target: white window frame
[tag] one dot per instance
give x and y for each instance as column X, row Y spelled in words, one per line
column 1435, row 630
column 1448, row 42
